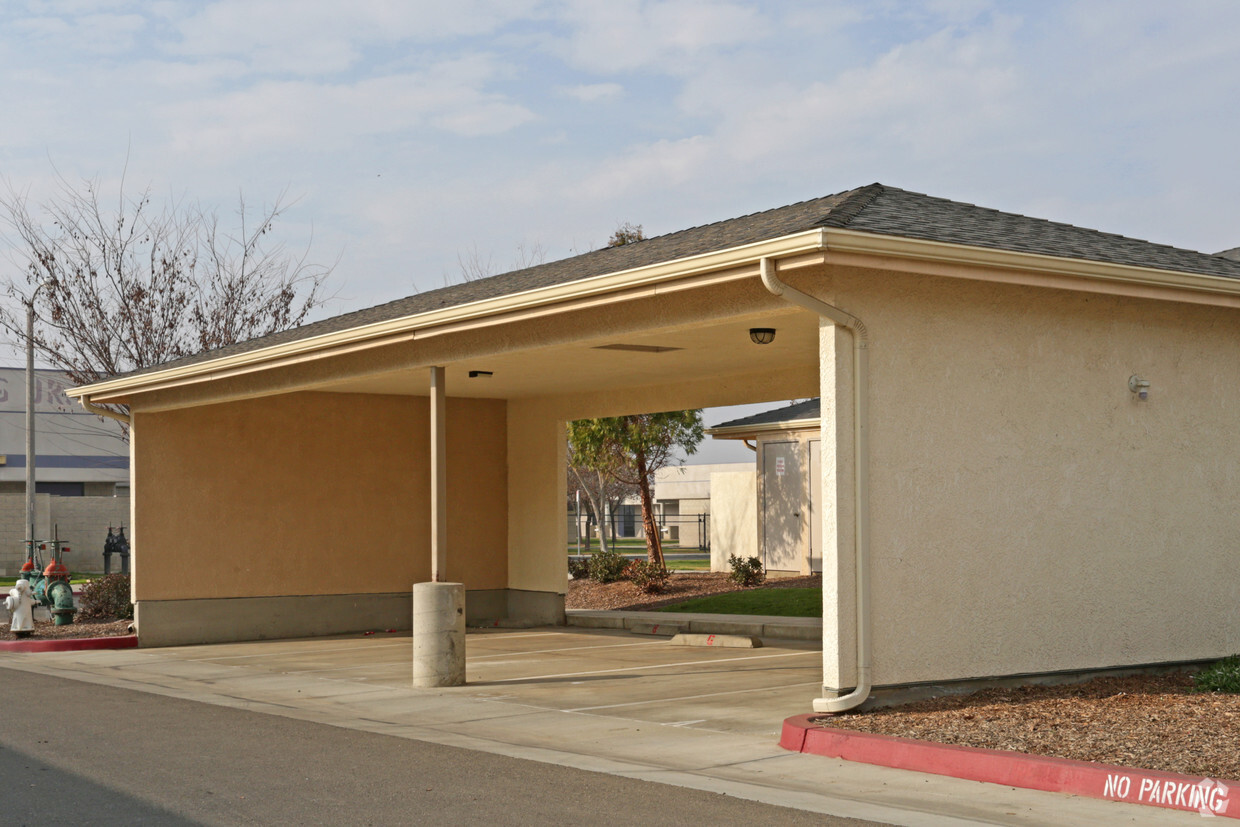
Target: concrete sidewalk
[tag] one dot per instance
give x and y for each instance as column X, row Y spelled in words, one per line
column 607, row 701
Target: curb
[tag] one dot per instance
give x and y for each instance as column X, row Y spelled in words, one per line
column 70, row 644
column 776, row 628
column 1152, row 788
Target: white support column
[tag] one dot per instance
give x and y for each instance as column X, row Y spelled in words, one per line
column 439, row 607
column 839, row 654
column 439, row 476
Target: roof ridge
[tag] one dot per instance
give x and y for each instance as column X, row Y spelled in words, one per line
column 1105, row 234
column 856, row 202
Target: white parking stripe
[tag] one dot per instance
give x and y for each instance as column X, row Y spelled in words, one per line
column 659, row 666
column 692, row 697
column 472, row 658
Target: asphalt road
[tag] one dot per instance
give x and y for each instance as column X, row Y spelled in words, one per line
column 77, row 753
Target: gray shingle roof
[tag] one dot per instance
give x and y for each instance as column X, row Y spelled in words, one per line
column 788, row 413
column 875, row 209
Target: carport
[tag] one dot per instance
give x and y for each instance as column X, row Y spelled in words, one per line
column 301, row 483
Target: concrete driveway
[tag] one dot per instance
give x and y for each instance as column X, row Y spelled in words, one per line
column 618, row 674
column 601, row 700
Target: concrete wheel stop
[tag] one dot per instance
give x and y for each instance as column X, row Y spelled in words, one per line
column 718, row 641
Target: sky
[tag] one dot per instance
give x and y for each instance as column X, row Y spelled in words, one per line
column 410, row 136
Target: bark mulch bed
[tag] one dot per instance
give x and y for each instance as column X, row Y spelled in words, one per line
column 1154, row 722
column 46, row 630
column 587, row 594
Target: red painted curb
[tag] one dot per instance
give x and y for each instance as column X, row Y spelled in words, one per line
column 70, row 644
column 1015, row 769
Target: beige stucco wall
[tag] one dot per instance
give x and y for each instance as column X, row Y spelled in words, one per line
column 313, row 494
column 733, row 517
column 1028, row 512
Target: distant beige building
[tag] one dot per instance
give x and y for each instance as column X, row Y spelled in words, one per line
column 786, row 490
column 1027, row 459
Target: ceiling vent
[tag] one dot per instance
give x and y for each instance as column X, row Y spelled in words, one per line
column 638, row 348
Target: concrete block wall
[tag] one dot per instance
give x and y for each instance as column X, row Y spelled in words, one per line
column 733, row 517
column 81, row 521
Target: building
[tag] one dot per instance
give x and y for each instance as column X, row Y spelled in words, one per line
column 1028, row 460
column 82, row 471
column 786, row 522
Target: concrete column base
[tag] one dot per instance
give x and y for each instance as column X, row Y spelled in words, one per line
column 438, row 634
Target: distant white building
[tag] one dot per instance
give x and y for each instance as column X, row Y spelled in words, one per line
column 77, row 453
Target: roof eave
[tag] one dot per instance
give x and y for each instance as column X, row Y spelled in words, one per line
column 404, row 327
column 903, row 247
column 743, row 431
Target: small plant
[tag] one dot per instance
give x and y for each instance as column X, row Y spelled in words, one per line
column 1223, row 676
column 650, row 577
column 579, row 567
column 106, row 599
column 607, row 566
column 746, row 571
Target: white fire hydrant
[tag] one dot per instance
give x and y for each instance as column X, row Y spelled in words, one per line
column 20, row 604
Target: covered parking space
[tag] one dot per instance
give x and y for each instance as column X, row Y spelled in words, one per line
column 995, row 392
column 603, row 673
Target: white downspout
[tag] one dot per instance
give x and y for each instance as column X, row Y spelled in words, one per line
column 861, row 476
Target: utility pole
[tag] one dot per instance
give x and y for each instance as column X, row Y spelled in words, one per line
column 30, row 455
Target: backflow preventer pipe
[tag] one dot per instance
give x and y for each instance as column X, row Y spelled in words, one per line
column 861, row 476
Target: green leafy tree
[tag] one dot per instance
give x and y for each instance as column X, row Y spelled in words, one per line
column 630, row 449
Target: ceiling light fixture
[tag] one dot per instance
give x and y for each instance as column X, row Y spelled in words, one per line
column 761, row 335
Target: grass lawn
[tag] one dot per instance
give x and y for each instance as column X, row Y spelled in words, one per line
column 777, row 602
column 688, row 565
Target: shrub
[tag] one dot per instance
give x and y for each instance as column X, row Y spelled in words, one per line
column 650, row 577
column 106, row 599
column 1223, row 676
column 579, row 567
column 607, row 566
column 746, row 571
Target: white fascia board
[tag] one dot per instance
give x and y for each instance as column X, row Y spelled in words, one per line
column 745, row 431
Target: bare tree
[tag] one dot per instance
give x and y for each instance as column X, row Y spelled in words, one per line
column 132, row 287
column 474, row 264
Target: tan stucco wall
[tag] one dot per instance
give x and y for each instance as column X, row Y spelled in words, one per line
column 1028, row 512
column 313, row 493
column 537, row 489
column 733, row 517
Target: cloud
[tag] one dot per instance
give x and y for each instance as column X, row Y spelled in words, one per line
column 630, row 35
column 96, row 34
column 318, row 37
column 593, row 92
column 281, row 115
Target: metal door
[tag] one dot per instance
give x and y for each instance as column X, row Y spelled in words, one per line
column 783, row 481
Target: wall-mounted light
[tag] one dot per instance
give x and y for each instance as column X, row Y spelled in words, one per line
column 761, row 335
column 1139, row 386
